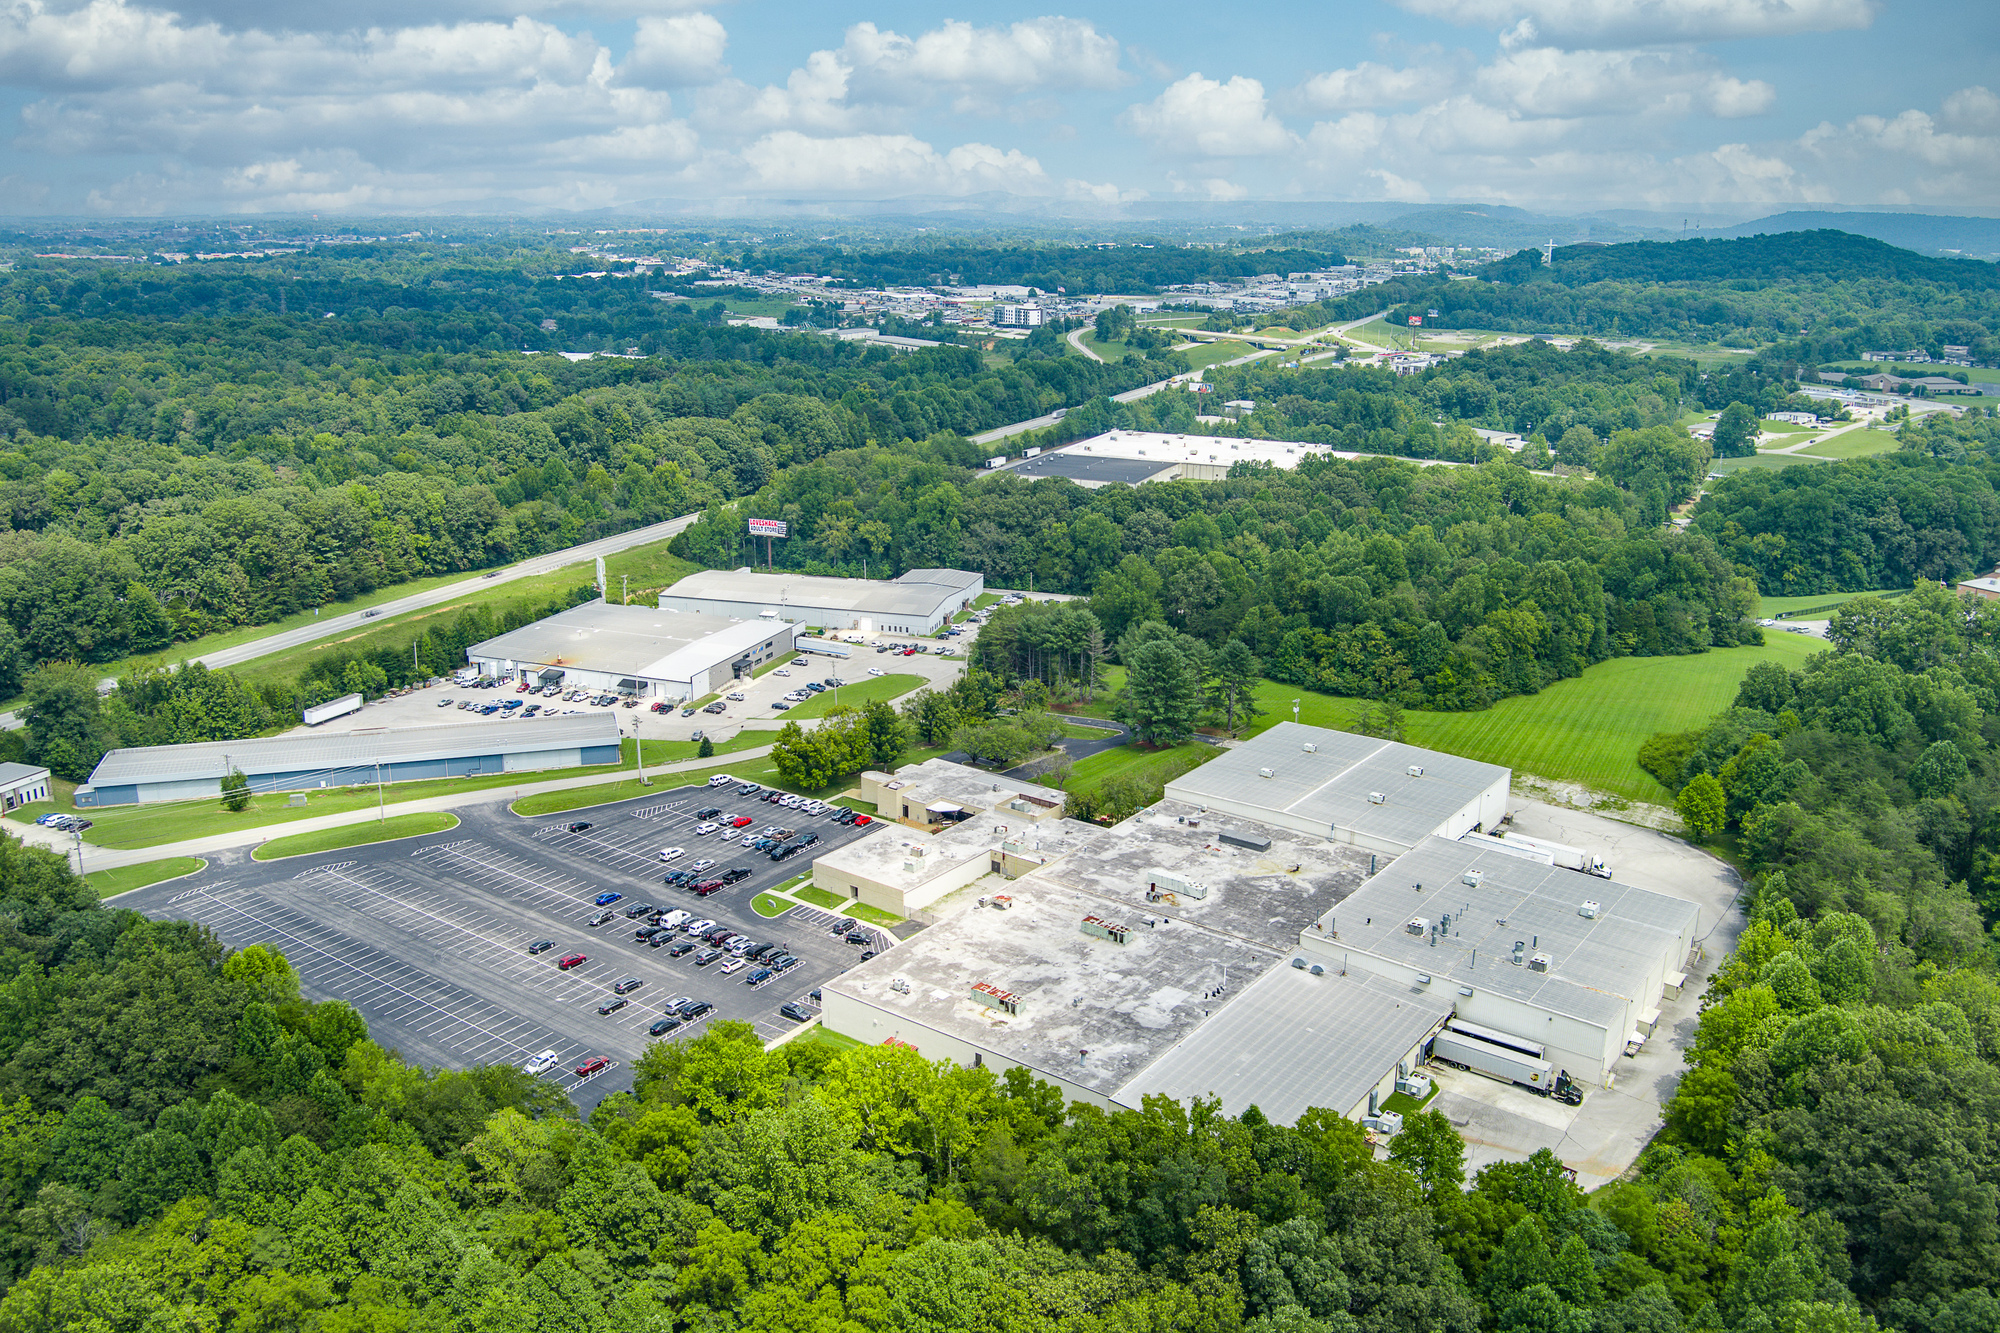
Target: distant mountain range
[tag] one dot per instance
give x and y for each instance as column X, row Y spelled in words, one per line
column 1971, row 238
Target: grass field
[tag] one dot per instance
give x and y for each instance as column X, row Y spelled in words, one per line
column 855, row 694
column 124, row 879
column 1911, row 368
column 1766, row 462
column 1855, row 444
column 766, row 906
column 837, row 1041
column 1586, row 730
column 1200, row 356
column 818, row 897
column 874, row 916
column 1129, row 760
column 356, row 835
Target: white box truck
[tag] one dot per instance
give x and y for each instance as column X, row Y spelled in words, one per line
column 1561, row 854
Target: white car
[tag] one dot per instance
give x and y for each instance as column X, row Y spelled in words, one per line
column 874, row 671
column 781, row 671
column 444, row 703
column 698, row 927
column 800, row 661
column 736, row 696
column 720, row 780
column 750, row 839
column 704, row 863
column 672, row 853
column 541, row 1064
column 703, row 830
column 733, row 965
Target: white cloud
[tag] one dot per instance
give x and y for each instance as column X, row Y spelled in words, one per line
column 1577, row 23
column 878, row 164
column 675, row 51
column 1036, row 53
column 1543, row 81
column 1204, row 118
column 1367, row 85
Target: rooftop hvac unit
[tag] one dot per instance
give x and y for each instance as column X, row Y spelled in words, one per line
column 1310, row 748
column 1106, row 930
column 1416, row 1085
column 1589, row 909
column 1423, row 978
column 1263, row 772
column 994, row 998
column 1473, row 877
column 1415, row 770
column 1538, row 963
column 1418, row 925
column 1377, row 798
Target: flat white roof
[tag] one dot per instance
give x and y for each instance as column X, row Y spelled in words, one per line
column 638, row 641
column 919, row 592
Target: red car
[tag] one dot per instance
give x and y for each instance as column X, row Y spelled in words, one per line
column 909, row 652
column 569, row 960
column 741, row 821
column 523, row 688
column 859, row 820
column 591, row 1066
column 706, row 887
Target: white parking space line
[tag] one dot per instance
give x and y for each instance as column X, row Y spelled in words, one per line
column 351, row 971
column 511, row 877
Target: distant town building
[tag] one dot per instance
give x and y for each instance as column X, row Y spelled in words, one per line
column 1017, row 316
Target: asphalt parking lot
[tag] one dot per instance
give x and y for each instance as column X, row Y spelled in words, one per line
column 428, row 937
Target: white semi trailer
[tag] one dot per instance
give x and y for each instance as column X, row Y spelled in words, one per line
column 1461, row 1044
column 1548, row 852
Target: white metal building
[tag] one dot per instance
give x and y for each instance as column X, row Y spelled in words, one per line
column 1379, row 795
column 350, row 758
column 22, row 784
column 650, row 651
column 921, row 601
column 1576, row 964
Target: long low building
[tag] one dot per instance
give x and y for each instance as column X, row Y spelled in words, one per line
column 921, row 601
column 343, row 759
column 1380, row 795
column 649, row 651
column 1135, row 457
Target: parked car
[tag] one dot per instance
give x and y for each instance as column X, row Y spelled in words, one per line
column 541, row 1064
column 672, row 853
column 661, row 1027
column 797, row 1012
column 541, row 946
column 612, row 1006
column 701, row 865
column 733, row 965
column 627, row 986
column 859, row 820
column 570, row 960
column 698, row 928
column 703, row 830
column 741, row 821
column 580, row 826
column 748, row 789
column 638, row 910
column 759, row 977
column 596, row 1064
column 606, row 899
column 602, row 917
column 875, row 671
column 683, row 949
column 687, row 710
column 698, row 735
column 735, row 696
column 695, row 1009
column 779, row 705
column 717, row 707
column 709, row 812
column 705, row 957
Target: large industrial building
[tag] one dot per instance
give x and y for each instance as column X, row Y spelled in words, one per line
column 342, row 759
column 1380, row 795
column 1573, row 963
column 654, row 652
column 921, row 601
column 1256, row 936
column 1135, row 457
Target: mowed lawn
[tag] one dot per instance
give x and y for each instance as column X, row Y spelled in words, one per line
column 856, row 693
column 1586, row 730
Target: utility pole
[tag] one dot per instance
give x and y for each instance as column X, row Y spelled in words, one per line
column 625, row 589
column 381, row 804
column 639, row 754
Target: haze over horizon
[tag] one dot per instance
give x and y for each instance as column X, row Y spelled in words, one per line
column 121, row 107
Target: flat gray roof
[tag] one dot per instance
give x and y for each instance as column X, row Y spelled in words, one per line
column 1596, row 965
column 1092, row 1012
column 1293, row 1041
column 1095, row 468
column 13, row 773
column 919, row 592
column 350, row 749
column 1267, row 896
column 639, row 641
column 975, row 788
column 1330, row 787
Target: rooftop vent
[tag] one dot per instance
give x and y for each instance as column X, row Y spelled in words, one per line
column 1589, row 909
column 1423, row 978
column 1299, row 963
column 1318, row 971
column 1465, row 990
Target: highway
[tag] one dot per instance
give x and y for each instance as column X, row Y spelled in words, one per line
column 330, row 626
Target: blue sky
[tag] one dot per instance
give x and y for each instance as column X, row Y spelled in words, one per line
column 128, row 107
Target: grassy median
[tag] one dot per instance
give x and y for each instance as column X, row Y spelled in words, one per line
column 356, row 835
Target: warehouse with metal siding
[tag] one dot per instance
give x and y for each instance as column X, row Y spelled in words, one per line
column 649, row 651
column 147, row 774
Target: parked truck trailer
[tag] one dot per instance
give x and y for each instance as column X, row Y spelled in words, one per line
column 1559, row 854
column 1494, row 1061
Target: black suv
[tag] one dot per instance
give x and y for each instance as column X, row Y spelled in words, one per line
column 708, row 813
column 797, row 1012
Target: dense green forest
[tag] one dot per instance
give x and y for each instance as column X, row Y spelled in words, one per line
column 1926, row 512
column 1814, row 296
column 1126, row 269
column 189, row 1143
column 177, row 455
column 1848, row 1049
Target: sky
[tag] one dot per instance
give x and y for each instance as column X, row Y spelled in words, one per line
column 125, row 107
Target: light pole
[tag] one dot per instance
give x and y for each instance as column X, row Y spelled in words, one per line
column 1295, row 711
column 639, row 753
column 381, row 806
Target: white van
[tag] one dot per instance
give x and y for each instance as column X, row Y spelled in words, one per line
column 676, row 919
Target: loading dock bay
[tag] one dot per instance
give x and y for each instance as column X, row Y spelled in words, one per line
column 428, row 937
